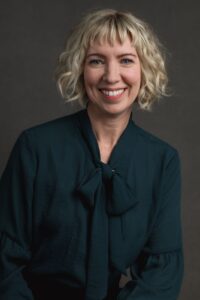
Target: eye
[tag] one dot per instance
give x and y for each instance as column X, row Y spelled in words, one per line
column 127, row 61
column 96, row 62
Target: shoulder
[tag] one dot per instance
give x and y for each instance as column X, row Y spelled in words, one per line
column 55, row 126
column 62, row 126
column 53, row 133
column 155, row 145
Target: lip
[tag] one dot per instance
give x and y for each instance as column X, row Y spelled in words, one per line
column 116, row 97
column 116, row 89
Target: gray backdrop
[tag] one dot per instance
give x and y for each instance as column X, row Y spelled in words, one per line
column 32, row 34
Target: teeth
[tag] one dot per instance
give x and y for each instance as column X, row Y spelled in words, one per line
column 112, row 93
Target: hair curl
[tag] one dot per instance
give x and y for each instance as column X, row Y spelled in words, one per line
column 110, row 25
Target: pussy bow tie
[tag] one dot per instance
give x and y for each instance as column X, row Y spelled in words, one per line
column 119, row 195
column 108, row 196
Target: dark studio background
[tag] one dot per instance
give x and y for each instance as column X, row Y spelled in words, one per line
column 32, row 35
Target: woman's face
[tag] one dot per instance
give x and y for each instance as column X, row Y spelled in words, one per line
column 112, row 77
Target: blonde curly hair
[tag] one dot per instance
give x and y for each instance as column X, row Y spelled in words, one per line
column 110, row 25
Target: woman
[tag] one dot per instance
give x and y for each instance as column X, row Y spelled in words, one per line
column 86, row 196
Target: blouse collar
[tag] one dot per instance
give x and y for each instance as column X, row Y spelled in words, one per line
column 122, row 151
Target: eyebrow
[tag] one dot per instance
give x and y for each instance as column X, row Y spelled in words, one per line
column 121, row 55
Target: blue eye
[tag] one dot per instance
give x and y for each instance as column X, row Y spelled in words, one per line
column 127, row 61
column 95, row 61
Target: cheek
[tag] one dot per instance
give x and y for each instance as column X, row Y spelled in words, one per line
column 90, row 77
column 137, row 79
column 87, row 78
column 90, row 83
column 133, row 77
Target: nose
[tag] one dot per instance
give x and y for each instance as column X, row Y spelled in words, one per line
column 111, row 73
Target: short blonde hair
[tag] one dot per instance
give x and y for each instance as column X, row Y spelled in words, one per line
column 110, row 25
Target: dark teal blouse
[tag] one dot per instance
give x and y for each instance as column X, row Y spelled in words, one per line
column 70, row 223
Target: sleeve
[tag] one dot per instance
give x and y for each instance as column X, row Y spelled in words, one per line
column 158, row 272
column 16, row 192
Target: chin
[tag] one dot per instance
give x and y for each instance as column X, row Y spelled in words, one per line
column 111, row 109
column 114, row 110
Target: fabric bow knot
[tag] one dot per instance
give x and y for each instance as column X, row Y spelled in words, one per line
column 107, row 195
column 120, row 197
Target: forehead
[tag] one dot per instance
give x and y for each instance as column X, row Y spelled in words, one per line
column 117, row 47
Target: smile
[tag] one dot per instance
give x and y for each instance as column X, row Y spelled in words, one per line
column 113, row 93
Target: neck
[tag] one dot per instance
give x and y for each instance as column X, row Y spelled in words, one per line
column 107, row 127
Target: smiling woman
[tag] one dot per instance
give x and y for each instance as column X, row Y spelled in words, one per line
column 89, row 195
column 110, row 27
column 113, row 83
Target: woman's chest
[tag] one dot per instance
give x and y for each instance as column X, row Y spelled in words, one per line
column 65, row 198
